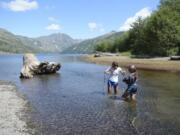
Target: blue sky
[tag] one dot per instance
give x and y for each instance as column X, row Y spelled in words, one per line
column 78, row 18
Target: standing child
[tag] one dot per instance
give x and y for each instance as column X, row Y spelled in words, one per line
column 131, row 80
column 113, row 80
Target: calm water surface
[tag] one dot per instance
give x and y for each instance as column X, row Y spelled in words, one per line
column 74, row 101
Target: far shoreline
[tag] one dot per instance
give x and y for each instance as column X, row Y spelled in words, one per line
column 153, row 64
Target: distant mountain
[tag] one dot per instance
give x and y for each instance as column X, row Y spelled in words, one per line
column 12, row 43
column 56, row 42
column 32, row 43
column 89, row 45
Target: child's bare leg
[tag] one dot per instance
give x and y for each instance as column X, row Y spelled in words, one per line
column 109, row 89
column 125, row 95
column 115, row 90
column 134, row 97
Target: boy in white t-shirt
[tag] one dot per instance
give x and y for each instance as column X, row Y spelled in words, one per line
column 114, row 72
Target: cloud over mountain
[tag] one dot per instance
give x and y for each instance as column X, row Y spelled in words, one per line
column 93, row 26
column 53, row 26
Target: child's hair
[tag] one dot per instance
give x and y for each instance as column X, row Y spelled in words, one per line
column 132, row 77
column 132, row 69
column 114, row 64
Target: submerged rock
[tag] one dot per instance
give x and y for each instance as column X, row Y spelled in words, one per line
column 32, row 66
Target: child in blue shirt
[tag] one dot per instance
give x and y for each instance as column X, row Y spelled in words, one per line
column 131, row 80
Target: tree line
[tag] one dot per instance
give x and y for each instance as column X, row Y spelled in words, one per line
column 157, row 35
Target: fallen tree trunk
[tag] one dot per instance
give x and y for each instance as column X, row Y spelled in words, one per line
column 175, row 58
column 32, row 66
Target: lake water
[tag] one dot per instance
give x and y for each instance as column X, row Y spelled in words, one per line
column 74, row 101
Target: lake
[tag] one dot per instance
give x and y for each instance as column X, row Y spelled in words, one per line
column 74, row 101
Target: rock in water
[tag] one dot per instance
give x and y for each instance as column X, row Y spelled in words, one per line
column 32, row 66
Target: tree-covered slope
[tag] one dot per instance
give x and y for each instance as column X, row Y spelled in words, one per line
column 89, row 45
column 10, row 43
column 157, row 35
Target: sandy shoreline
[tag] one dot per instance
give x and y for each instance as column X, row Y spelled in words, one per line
column 158, row 64
column 12, row 109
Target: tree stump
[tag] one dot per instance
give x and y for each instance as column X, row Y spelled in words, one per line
column 32, row 66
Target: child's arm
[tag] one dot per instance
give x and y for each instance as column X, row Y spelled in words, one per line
column 123, row 72
column 126, row 79
column 107, row 71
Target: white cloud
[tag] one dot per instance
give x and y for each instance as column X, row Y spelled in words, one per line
column 93, row 26
column 143, row 13
column 20, row 5
column 52, row 19
column 53, row 27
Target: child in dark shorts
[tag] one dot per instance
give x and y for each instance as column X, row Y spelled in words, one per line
column 114, row 72
column 131, row 80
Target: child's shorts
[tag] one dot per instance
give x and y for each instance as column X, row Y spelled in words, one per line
column 132, row 89
column 111, row 83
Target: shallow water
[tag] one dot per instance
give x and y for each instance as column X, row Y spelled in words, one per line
column 74, row 101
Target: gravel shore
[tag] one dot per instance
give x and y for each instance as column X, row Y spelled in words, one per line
column 12, row 109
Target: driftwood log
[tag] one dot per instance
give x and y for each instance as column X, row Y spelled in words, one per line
column 99, row 54
column 175, row 58
column 32, row 66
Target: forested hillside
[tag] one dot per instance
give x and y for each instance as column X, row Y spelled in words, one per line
column 90, row 45
column 12, row 43
column 157, row 35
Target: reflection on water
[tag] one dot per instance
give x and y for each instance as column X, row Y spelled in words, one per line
column 73, row 101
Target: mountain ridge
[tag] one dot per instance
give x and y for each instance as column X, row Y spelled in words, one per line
column 56, row 42
column 89, row 45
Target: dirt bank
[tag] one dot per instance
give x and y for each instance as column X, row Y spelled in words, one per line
column 160, row 64
column 12, row 109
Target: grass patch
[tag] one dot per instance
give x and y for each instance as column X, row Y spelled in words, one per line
column 128, row 53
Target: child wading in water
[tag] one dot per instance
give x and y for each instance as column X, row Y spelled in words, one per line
column 114, row 72
column 131, row 80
